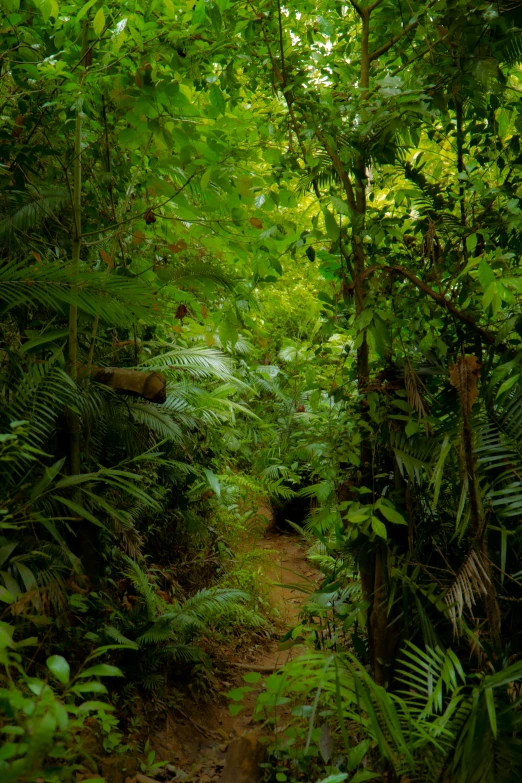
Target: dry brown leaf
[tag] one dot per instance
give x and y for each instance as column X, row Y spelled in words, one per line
column 256, row 222
column 178, row 247
column 138, row 237
column 411, row 382
column 19, row 124
column 464, row 376
column 107, row 258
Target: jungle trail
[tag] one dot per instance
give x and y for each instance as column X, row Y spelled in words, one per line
column 261, row 391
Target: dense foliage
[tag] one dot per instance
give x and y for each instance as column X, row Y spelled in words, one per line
column 253, row 250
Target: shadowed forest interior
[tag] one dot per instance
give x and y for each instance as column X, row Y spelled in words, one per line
column 261, row 391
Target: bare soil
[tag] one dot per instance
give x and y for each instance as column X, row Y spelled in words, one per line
column 196, row 742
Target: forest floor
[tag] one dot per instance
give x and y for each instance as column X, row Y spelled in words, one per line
column 196, row 742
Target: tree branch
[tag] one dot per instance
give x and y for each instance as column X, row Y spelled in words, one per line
column 141, row 214
column 373, row 6
column 388, row 45
column 489, row 337
column 357, row 7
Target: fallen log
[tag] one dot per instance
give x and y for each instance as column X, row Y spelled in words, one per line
column 138, row 383
column 259, row 667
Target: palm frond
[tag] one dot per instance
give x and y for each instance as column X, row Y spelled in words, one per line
column 31, row 208
column 468, row 584
column 113, row 298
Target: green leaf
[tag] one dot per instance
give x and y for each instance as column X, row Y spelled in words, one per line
column 6, row 636
column 411, row 428
column 438, row 471
column 486, row 275
column 78, row 509
column 48, row 8
column 235, row 709
column 471, row 243
column 356, row 754
column 83, row 10
column 227, row 334
column 392, row 515
column 6, row 596
column 331, row 225
column 200, row 12
column 58, row 666
column 237, row 694
column 91, row 706
column 6, row 551
column 364, row 318
column 28, row 578
column 340, row 205
column 217, row 99
column 339, row 778
column 98, row 23
column 508, row 384
column 93, row 686
column 129, row 645
column 205, row 179
column 102, row 670
column 49, row 336
column 8, row 750
column 252, row 677
column 492, row 297
column 364, row 774
column 93, row 780
column 379, row 528
column 490, row 704
column 213, row 481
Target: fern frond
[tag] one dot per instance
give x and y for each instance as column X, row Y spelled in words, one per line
column 196, row 362
column 142, row 585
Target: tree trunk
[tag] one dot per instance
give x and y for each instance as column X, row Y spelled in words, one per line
column 74, row 418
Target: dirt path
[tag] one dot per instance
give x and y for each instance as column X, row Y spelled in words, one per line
column 198, row 743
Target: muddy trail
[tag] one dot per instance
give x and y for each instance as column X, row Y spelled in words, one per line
column 196, row 742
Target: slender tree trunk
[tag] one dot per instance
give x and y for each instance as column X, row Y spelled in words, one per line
column 382, row 635
column 74, row 419
column 87, row 540
column 381, row 642
column 363, row 365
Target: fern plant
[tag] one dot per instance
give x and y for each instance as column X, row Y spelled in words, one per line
column 440, row 724
column 165, row 629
